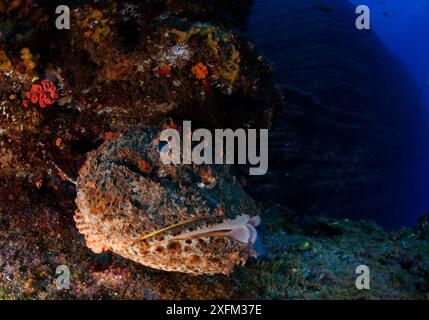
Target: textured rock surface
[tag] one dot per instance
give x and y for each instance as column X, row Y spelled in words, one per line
column 115, row 70
column 315, row 260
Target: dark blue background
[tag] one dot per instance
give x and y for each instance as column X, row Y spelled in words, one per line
column 403, row 27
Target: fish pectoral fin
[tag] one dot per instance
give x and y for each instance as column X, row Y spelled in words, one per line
column 245, row 233
column 241, row 233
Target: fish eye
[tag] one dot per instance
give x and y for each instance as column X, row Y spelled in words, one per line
column 163, row 146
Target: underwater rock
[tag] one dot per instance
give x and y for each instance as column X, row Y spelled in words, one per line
column 158, row 68
column 19, row 7
column 163, row 216
column 322, row 229
column 123, row 65
column 422, row 227
column 36, row 237
column 231, row 13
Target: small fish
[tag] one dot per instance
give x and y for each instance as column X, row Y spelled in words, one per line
column 323, row 8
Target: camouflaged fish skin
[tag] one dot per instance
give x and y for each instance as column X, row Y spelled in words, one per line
column 125, row 193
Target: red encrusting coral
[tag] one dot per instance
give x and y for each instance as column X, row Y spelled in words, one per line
column 200, row 71
column 45, row 93
column 164, row 70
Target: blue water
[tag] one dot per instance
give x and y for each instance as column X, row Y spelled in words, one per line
column 403, row 26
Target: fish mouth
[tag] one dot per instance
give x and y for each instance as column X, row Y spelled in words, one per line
column 242, row 229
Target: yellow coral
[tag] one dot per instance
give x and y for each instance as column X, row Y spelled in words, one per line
column 212, row 44
column 27, row 59
column 228, row 70
column 96, row 25
column 101, row 32
column 231, row 69
column 184, row 36
column 5, row 63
